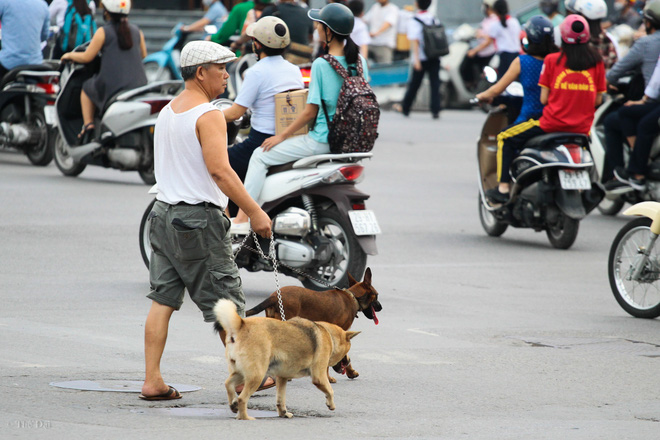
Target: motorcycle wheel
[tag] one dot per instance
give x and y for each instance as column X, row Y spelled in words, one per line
column 42, row 153
column 155, row 72
column 610, row 207
column 145, row 244
column 640, row 298
column 562, row 234
column 491, row 225
column 348, row 254
column 64, row 162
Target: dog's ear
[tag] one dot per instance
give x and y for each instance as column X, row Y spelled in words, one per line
column 351, row 280
column 351, row 335
column 367, row 276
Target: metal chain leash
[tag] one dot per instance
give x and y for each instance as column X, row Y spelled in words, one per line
column 272, row 257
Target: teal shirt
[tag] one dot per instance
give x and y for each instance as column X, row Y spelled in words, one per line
column 324, row 85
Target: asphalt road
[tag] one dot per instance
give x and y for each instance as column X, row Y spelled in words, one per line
column 479, row 338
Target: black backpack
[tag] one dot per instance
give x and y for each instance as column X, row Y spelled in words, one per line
column 435, row 40
column 354, row 127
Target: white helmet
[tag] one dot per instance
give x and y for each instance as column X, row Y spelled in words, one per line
column 590, row 9
column 117, row 6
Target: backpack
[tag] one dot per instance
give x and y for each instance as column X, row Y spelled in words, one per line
column 353, row 128
column 76, row 30
column 435, row 40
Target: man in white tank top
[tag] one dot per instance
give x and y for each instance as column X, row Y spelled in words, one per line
column 191, row 247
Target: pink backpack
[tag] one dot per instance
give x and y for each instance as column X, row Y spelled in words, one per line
column 354, row 127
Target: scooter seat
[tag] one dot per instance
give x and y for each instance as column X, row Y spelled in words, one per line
column 552, row 139
column 13, row 73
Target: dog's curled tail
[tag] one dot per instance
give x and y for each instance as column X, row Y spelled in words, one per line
column 225, row 313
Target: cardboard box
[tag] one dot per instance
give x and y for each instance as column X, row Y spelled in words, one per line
column 288, row 105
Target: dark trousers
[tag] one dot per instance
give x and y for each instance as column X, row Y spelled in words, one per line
column 641, row 121
column 471, row 66
column 509, row 142
column 239, row 157
column 614, row 140
column 3, row 72
column 432, row 67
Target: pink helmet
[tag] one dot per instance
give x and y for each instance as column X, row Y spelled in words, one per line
column 574, row 30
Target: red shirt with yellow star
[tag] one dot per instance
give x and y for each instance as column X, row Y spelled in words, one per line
column 572, row 97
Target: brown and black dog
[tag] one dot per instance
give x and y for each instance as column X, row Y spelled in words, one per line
column 339, row 307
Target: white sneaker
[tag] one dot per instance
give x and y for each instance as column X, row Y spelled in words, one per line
column 239, row 228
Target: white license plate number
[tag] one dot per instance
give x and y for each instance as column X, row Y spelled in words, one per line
column 49, row 113
column 364, row 222
column 574, row 179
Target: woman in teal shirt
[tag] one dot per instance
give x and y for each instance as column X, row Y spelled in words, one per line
column 334, row 23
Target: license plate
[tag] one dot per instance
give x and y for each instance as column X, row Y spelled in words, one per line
column 49, row 113
column 574, row 179
column 364, row 222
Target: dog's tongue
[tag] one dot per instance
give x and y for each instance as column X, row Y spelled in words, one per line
column 373, row 312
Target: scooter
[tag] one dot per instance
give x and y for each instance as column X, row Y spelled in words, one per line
column 552, row 187
column 454, row 92
column 634, row 262
column 27, row 95
column 616, row 198
column 123, row 134
column 321, row 226
column 164, row 64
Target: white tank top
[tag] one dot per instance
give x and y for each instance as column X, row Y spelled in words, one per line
column 179, row 165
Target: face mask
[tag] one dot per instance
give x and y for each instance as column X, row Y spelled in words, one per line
column 207, row 3
column 547, row 10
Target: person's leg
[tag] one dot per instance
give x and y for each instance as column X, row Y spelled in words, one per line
column 155, row 337
column 88, row 108
column 411, row 92
column 613, row 144
column 290, row 150
column 433, row 69
column 647, row 130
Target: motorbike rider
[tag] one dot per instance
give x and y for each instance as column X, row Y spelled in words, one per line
column 271, row 75
column 505, row 33
column 123, row 47
column 643, row 55
column 215, row 15
column 191, row 247
column 551, row 9
column 479, row 57
column 334, row 24
column 24, row 27
column 594, row 11
column 572, row 84
column 233, row 24
column 526, row 69
column 639, row 123
column 301, row 28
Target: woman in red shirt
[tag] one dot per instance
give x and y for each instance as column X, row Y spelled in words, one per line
column 572, row 85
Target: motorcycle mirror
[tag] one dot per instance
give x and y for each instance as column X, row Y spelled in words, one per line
column 515, row 89
column 490, row 74
column 210, row 29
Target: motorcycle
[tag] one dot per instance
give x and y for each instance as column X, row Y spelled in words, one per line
column 634, row 262
column 123, row 137
column 27, row 95
column 628, row 87
column 322, row 229
column 552, row 187
column 164, row 64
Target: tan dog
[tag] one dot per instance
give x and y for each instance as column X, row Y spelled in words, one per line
column 286, row 350
column 339, row 307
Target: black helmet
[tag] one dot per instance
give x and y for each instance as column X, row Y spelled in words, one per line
column 549, row 6
column 652, row 13
column 537, row 28
column 336, row 16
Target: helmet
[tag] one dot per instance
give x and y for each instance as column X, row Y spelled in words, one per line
column 652, row 13
column 489, row 3
column 574, row 30
column 336, row 16
column 549, row 6
column 537, row 29
column 270, row 31
column 590, row 9
column 117, row 6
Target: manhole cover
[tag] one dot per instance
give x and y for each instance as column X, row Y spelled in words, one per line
column 117, row 386
column 211, row 413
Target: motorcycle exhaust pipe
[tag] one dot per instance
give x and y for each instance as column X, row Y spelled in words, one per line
column 127, row 158
column 19, row 134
